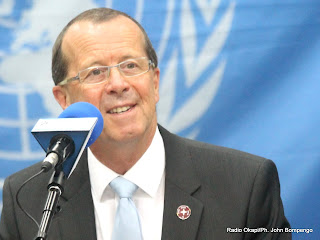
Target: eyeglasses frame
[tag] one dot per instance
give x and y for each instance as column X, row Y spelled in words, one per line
column 66, row 81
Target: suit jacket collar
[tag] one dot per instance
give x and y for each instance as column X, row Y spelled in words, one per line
column 77, row 221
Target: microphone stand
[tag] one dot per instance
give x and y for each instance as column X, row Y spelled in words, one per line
column 55, row 190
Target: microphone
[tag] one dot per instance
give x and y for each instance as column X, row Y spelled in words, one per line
column 64, row 138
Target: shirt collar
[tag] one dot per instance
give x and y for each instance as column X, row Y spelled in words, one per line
column 146, row 173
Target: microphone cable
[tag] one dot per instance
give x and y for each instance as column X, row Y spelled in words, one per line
column 17, row 196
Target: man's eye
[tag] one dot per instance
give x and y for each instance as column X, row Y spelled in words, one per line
column 131, row 65
column 96, row 72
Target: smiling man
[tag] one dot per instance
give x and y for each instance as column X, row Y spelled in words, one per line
column 183, row 189
column 127, row 101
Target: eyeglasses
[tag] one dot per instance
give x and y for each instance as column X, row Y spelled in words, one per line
column 129, row 68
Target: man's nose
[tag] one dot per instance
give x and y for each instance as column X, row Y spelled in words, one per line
column 116, row 83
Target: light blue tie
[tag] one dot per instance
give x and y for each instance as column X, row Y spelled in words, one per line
column 127, row 222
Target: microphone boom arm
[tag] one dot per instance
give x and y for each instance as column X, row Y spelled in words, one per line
column 55, row 190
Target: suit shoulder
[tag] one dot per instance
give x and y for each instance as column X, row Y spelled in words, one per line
column 209, row 154
column 222, row 154
column 16, row 179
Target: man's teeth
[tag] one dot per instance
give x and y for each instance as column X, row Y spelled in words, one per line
column 119, row 109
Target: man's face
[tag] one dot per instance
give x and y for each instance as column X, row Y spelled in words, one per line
column 88, row 44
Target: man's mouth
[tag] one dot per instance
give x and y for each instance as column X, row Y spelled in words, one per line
column 120, row 109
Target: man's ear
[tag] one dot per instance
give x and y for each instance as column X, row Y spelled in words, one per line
column 156, row 79
column 60, row 94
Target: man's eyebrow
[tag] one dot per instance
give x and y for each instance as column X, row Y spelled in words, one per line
column 121, row 59
column 128, row 56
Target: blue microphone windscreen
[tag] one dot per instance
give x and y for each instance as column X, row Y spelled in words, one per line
column 82, row 110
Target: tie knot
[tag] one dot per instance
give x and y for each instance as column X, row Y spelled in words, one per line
column 123, row 187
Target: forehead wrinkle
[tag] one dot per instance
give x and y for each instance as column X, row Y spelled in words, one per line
column 98, row 55
column 128, row 40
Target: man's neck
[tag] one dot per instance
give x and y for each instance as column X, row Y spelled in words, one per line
column 120, row 157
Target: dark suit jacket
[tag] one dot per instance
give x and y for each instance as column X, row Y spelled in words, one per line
column 224, row 188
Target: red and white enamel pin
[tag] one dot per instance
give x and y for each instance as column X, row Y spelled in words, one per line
column 183, row 212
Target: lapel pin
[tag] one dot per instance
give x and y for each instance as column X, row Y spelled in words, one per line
column 183, row 212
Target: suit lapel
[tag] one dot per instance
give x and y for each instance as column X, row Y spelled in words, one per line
column 76, row 216
column 181, row 184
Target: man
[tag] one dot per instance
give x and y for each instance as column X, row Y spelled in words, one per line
column 186, row 189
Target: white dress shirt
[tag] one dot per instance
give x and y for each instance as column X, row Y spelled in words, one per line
column 148, row 174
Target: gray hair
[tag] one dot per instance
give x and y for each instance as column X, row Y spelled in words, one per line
column 59, row 66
